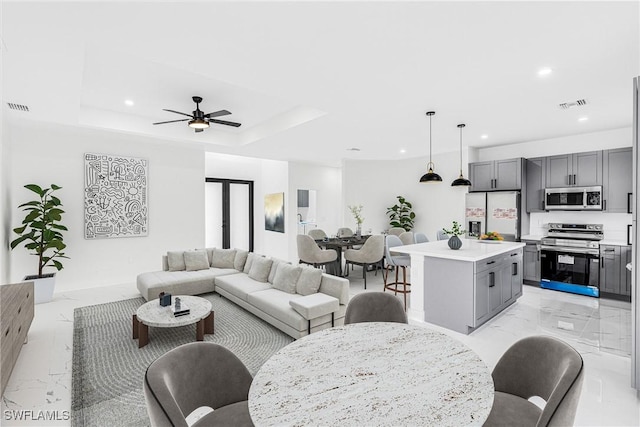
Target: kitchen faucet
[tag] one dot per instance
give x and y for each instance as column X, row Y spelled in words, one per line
column 300, row 216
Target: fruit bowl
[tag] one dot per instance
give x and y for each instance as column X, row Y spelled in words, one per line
column 491, row 237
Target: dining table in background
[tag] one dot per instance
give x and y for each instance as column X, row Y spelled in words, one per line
column 374, row 373
column 339, row 244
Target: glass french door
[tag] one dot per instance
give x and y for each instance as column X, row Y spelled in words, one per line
column 229, row 213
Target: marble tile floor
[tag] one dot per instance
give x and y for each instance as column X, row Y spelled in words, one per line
column 599, row 329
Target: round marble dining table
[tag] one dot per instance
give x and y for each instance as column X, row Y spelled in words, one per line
column 372, row 374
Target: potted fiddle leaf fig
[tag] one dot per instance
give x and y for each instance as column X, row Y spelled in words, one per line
column 401, row 214
column 41, row 234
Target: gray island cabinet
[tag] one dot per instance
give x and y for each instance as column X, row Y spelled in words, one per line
column 462, row 289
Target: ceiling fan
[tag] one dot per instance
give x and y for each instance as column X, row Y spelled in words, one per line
column 198, row 120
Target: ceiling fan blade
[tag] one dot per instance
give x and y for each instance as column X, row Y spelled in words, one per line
column 178, row 112
column 199, row 130
column 217, row 113
column 171, row 121
column 223, row 122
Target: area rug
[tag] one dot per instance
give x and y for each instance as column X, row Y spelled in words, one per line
column 108, row 366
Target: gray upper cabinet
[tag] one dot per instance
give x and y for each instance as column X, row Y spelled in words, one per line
column 536, row 179
column 618, row 180
column 578, row 169
column 496, row 175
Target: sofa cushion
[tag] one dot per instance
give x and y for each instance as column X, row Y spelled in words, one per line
column 276, row 304
column 247, row 264
column 196, row 260
column 309, row 281
column 240, row 285
column 179, row 282
column 176, row 260
column 223, row 258
column 274, row 268
column 260, row 269
column 209, row 254
column 286, row 277
column 316, row 305
column 240, row 259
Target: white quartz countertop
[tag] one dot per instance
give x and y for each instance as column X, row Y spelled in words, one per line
column 613, row 242
column 472, row 250
column 536, row 237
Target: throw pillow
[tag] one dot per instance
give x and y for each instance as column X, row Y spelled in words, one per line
column 260, row 268
column 309, row 281
column 176, row 260
column 248, row 263
column 274, row 268
column 196, row 260
column 223, row 258
column 286, row 278
column 240, row 259
column 209, row 254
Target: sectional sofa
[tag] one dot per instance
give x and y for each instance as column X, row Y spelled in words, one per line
column 295, row 299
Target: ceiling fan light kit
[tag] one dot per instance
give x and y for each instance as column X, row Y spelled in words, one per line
column 461, row 181
column 430, row 176
column 198, row 120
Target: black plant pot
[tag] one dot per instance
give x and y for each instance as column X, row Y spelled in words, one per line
column 454, row 242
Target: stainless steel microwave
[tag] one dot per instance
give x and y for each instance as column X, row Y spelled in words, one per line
column 573, row 198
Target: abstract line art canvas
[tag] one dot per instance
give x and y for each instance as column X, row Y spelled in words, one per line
column 274, row 212
column 115, row 196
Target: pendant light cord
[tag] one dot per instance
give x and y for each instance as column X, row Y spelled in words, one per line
column 460, row 150
column 430, row 140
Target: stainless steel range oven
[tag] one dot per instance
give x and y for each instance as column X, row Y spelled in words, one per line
column 570, row 258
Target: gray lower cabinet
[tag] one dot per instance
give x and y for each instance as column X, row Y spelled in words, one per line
column 531, row 255
column 617, row 185
column 498, row 283
column 577, row 169
column 614, row 282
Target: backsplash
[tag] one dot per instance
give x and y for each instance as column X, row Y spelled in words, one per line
column 614, row 224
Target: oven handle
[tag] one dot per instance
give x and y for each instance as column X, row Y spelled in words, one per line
column 570, row 249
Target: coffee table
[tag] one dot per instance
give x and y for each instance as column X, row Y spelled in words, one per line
column 153, row 314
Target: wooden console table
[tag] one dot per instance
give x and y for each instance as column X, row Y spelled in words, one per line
column 16, row 314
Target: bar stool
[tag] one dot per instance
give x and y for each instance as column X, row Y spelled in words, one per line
column 397, row 262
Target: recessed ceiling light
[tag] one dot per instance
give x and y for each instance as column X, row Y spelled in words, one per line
column 583, row 119
column 128, row 102
column 544, row 71
column 485, row 136
column 403, row 151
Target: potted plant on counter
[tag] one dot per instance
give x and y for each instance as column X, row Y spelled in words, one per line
column 41, row 233
column 454, row 241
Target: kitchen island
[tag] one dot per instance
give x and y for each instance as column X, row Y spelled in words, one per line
column 462, row 289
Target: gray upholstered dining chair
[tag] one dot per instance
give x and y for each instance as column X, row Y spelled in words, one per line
column 442, row 235
column 420, row 238
column 310, row 253
column 407, row 238
column 371, row 253
column 396, row 231
column 537, row 366
column 396, row 262
column 374, row 307
column 317, row 234
column 345, row 232
column 196, row 375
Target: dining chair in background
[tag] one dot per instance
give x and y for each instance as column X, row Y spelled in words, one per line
column 537, row 366
column 371, row 253
column 344, row 232
column 193, row 376
column 374, row 307
column 442, row 235
column 317, row 234
column 396, row 231
column 310, row 253
column 407, row 238
column 396, row 262
column 420, row 238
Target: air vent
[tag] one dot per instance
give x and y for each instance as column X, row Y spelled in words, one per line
column 18, row 107
column 578, row 103
column 353, row 149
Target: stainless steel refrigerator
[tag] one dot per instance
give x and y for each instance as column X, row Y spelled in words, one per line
column 493, row 211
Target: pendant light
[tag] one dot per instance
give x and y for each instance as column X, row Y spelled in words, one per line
column 461, row 181
column 430, row 176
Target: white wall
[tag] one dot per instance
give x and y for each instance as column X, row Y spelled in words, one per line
column 327, row 181
column 5, row 201
column 604, row 140
column 375, row 185
column 269, row 176
column 46, row 154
